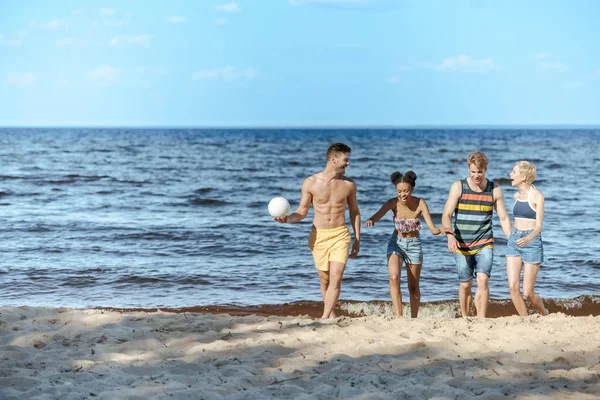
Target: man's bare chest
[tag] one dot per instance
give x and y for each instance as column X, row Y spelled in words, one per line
column 330, row 193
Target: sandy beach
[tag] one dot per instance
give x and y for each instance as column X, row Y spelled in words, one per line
column 50, row 353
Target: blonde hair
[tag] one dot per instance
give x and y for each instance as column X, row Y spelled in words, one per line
column 527, row 169
column 478, row 159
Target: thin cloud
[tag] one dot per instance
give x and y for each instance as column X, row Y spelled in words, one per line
column 467, row 64
column 225, row 73
column 54, row 25
column 139, row 40
column 555, row 66
column 104, row 75
column 228, row 8
column 394, row 80
column 176, row 19
column 110, row 23
column 23, row 79
column 107, row 11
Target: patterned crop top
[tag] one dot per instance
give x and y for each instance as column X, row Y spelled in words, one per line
column 407, row 225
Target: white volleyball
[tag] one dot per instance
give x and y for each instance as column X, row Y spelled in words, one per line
column 279, row 207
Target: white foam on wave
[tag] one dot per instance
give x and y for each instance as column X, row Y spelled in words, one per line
column 436, row 311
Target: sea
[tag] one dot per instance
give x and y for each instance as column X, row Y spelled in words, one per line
column 176, row 219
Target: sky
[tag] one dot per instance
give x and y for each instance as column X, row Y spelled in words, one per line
column 299, row 63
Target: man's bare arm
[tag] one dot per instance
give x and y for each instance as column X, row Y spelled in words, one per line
column 305, row 201
column 501, row 210
column 451, row 204
column 354, row 220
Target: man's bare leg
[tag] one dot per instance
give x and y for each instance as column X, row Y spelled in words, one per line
column 465, row 297
column 482, row 295
column 324, row 282
column 336, row 271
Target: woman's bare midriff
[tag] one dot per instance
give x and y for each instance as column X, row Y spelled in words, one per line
column 406, row 235
column 524, row 225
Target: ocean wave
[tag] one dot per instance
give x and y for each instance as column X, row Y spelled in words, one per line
column 208, row 202
column 136, row 279
column 169, row 236
column 584, row 305
column 9, row 177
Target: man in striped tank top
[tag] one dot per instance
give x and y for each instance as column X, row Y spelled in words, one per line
column 472, row 201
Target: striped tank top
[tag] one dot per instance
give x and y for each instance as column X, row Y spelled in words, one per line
column 473, row 219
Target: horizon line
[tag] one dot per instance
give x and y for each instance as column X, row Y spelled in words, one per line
column 416, row 126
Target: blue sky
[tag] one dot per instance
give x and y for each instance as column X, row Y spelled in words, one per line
column 299, row 63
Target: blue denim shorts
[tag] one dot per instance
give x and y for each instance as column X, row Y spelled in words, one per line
column 407, row 248
column 532, row 253
column 468, row 266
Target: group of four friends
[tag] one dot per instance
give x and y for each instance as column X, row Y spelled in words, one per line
column 471, row 201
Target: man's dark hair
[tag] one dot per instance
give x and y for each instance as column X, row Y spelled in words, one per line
column 337, row 148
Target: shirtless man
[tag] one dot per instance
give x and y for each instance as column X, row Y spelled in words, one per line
column 472, row 201
column 330, row 192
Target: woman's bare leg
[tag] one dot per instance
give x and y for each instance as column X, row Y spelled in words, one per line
column 513, row 271
column 529, row 278
column 394, row 264
column 413, row 272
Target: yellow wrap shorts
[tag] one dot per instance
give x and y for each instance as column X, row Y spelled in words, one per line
column 329, row 245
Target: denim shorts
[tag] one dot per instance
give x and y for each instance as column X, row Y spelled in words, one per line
column 407, row 248
column 468, row 266
column 532, row 253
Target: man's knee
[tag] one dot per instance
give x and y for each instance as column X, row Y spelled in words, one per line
column 465, row 286
column 394, row 279
column 324, row 277
column 336, row 270
column 482, row 280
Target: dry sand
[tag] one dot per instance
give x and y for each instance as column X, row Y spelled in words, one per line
column 49, row 353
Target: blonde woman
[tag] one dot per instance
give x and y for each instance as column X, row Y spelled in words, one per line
column 525, row 247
